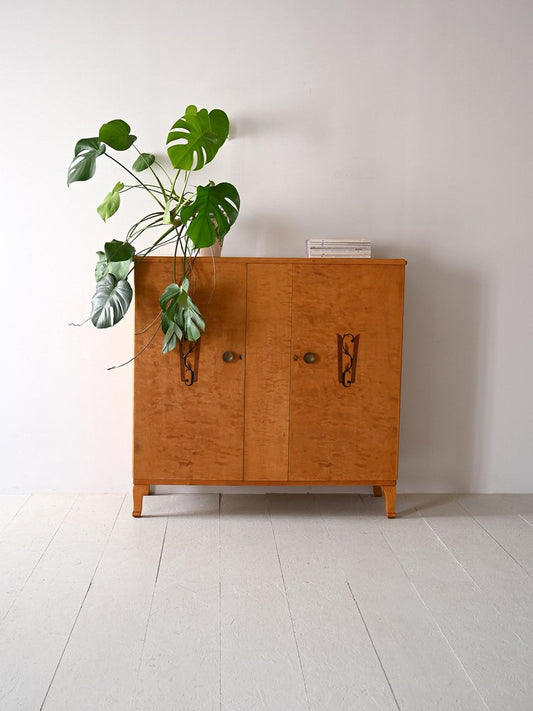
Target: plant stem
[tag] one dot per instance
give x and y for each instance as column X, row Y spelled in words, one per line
column 187, row 176
column 151, row 249
column 135, row 235
column 157, row 222
column 155, row 188
column 174, row 182
column 178, row 242
column 155, row 176
column 154, row 334
column 136, row 178
column 156, row 162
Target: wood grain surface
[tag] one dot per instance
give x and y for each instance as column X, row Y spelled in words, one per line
column 336, row 432
column 268, row 416
column 268, row 346
column 191, row 432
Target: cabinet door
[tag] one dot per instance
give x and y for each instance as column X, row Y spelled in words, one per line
column 195, row 432
column 345, row 433
column 268, row 348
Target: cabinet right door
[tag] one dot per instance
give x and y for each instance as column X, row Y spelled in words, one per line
column 336, row 432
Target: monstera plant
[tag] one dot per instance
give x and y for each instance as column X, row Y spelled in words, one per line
column 187, row 218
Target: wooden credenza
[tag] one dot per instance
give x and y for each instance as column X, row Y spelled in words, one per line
column 295, row 381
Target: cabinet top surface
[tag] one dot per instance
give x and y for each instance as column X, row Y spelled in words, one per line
column 355, row 261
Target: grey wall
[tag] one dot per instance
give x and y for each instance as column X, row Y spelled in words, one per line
column 405, row 122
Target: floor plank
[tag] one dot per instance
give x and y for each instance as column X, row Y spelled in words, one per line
column 35, row 632
column 282, row 602
column 497, row 661
column 508, row 520
column 409, row 644
column 25, row 539
column 99, row 667
column 340, row 665
column 180, row 666
column 10, row 505
column 501, row 578
column 260, row 666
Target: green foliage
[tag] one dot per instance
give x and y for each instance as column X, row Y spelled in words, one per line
column 83, row 165
column 110, row 203
column 203, row 134
column 188, row 218
column 110, row 301
column 180, row 318
column 214, row 205
column 116, row 260
column 143, row 162
column 169, row 215
column 116, row 134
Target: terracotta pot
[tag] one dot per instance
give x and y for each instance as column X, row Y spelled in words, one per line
column 214, row 251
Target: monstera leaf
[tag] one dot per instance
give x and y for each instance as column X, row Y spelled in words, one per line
column 116, row 260
column 144, row 161
column 83, row 165
column 214, row 205
column 180, row 318
column 194, row 140
column 116, row 134
column 110, row 203
column 110, row 301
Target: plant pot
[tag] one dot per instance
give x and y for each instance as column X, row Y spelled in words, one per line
column 214, row 250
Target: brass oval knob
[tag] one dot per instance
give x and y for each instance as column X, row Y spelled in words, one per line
column 228, row 356
column 309, row 357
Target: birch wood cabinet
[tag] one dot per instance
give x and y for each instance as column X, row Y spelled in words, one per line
column 295, row 381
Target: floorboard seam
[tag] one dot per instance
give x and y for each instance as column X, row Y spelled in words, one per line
column 480, row 588
column 450, row 552
column 474, row 518
column 373, row 645
column 441, row 631
column 16, row 596
column 141, row 654
column 23, row 504
column 526, row 520
column 434, row 619
column 288, row 606
column 82, row 604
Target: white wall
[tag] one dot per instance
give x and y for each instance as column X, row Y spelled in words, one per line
column 407, row 122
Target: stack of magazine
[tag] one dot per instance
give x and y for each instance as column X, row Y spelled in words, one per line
column 345, row 248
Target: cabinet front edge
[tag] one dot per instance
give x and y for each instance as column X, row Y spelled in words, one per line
column 286, row 260
column 263, row 482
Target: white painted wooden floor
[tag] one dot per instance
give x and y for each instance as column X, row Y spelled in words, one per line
column 277, row 602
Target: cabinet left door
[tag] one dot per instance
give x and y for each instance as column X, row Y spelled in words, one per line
column 190, row 433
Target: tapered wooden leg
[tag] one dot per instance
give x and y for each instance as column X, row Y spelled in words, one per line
column 139, row 490
column 378, row 491
column 390, row 501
